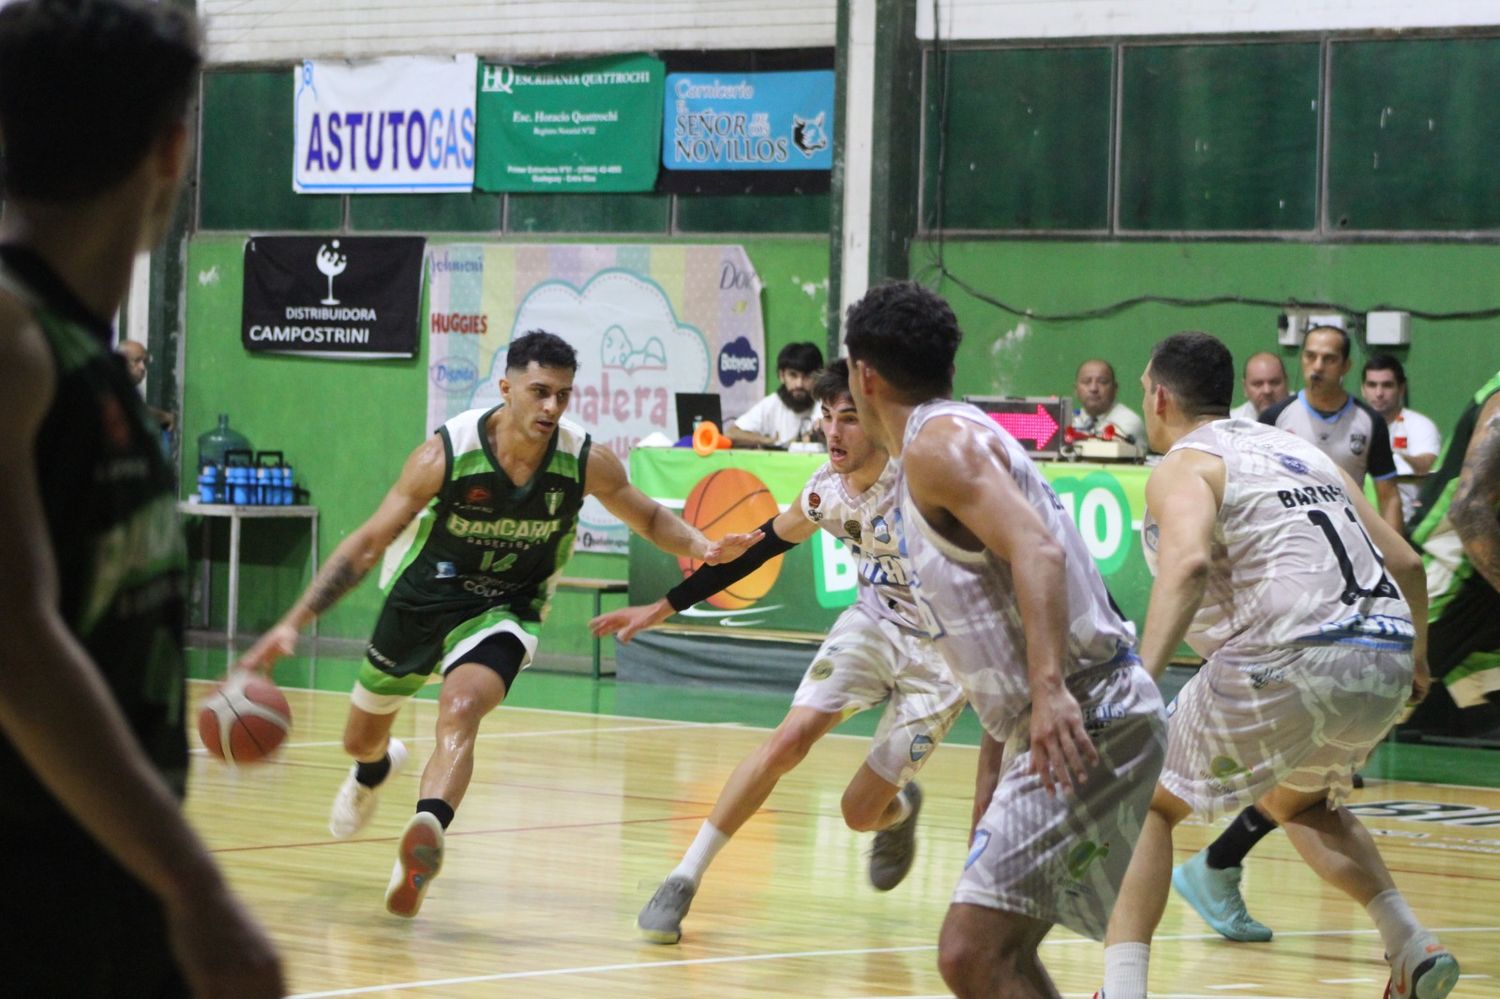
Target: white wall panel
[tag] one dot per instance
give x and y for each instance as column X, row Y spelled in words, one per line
column 241, row 31
column 1031, row 19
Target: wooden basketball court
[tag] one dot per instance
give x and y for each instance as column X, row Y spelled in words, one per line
column 573, row 818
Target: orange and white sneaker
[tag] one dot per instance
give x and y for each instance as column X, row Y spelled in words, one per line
column 1423, row 969
column 418, row 861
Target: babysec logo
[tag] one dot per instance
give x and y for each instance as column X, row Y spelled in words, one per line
column 738, row 362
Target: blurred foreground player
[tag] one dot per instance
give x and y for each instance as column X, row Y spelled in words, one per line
column 876, row 653
column 107, row 890
column 1074, row 728
column 1311, row 612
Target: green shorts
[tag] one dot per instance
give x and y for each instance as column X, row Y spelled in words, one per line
column 407, row 646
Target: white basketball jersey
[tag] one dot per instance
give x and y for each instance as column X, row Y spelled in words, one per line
column 968, row 600
column 1291, row 563
column 863, row 523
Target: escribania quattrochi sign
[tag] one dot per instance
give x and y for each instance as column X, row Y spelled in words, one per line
column 332, row 296
column 588, row 126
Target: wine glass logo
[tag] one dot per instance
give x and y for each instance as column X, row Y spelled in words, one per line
column 332, row 263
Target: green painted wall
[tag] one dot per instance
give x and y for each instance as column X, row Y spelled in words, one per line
column 347, row 426
column 1002, row 354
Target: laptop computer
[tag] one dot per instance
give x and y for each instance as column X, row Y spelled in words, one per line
column 693, row 407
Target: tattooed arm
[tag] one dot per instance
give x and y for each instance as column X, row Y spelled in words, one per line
column 356, row 555
column 1478, row 496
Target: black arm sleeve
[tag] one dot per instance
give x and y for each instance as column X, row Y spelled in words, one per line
column 710, row 579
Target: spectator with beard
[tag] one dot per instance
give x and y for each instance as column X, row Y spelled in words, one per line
column 787, row 414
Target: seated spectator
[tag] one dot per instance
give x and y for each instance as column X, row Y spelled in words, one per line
column 1415, row 440
column 1265, row 386
column 787, row 414
column 133, row 355
column 1094, row 388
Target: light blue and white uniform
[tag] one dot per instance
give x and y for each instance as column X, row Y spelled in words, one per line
column 878, row 650
column 1307, row 638
column 1060, row 858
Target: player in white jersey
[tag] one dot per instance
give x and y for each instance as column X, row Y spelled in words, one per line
column 876, row 652
column 1311, row 611
column 1074, row 728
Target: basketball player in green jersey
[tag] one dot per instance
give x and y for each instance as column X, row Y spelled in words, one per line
column 108, row 892
column 474, row 533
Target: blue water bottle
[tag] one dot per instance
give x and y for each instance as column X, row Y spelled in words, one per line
column 265, row 488
column 288, row 486
column 240, row 485
column 208, row 485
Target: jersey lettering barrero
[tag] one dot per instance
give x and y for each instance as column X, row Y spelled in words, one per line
column 483, row 540
column 1291, row 564
column 968, row 598
column 863, row 522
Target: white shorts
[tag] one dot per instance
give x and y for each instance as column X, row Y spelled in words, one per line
column 1304, row 718
column 1061, row 859
column 864, row 662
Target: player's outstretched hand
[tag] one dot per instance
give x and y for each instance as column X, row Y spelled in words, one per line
column 222, row 950
column 1061, row 750
column 627, row 621
column 1421, row 678
column 280, row 641
column 730, row 547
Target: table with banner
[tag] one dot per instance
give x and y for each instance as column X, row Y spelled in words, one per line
column 797, row 597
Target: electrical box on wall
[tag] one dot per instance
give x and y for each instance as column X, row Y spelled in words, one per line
column 1388, row 329
column 1291, row 327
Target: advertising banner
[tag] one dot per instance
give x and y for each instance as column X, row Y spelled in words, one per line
column 817, row 579
column 588, row 126
column 332, row 296
column 749, row 121
column 647, row 321
column 403, row 124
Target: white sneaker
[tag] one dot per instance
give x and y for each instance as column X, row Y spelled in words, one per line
column 418, row 861
column 354, row 805
column 1422, row 969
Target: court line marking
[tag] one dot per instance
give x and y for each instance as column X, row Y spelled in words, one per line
column 797, row 955
column 540, row 733
column 674, row 723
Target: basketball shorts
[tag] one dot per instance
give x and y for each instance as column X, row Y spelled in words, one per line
column 407, row 646
column 1303, row 718
column 1061, row 858
column 865, row 661
column 1463, row 645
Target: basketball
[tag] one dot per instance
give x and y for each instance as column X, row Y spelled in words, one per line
column 732, row 501
column 244, row 719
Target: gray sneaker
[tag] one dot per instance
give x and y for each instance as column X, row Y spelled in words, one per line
column 896, row 847
column 661, row 920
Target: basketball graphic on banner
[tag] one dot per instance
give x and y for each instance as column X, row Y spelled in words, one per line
column 732, row 501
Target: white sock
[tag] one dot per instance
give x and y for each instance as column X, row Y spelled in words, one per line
column 1125, row 967
column 903, row 806
column 1394, row 919
column 706, row 846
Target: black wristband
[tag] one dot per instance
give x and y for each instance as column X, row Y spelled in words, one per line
column 710, row 579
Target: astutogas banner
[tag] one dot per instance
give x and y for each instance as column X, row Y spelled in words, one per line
column 647, row 321
column 397, row 125
column 586, row 126
column 749, row 121
column 332, row 296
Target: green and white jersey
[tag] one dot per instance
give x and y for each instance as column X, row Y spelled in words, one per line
column 485, row 541
column 112, row 525
column 1448, row 568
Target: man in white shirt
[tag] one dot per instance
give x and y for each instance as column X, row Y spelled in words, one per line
column 1265, row 386
column 1094, row 388
column 1415, row 440
column 787, row 414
